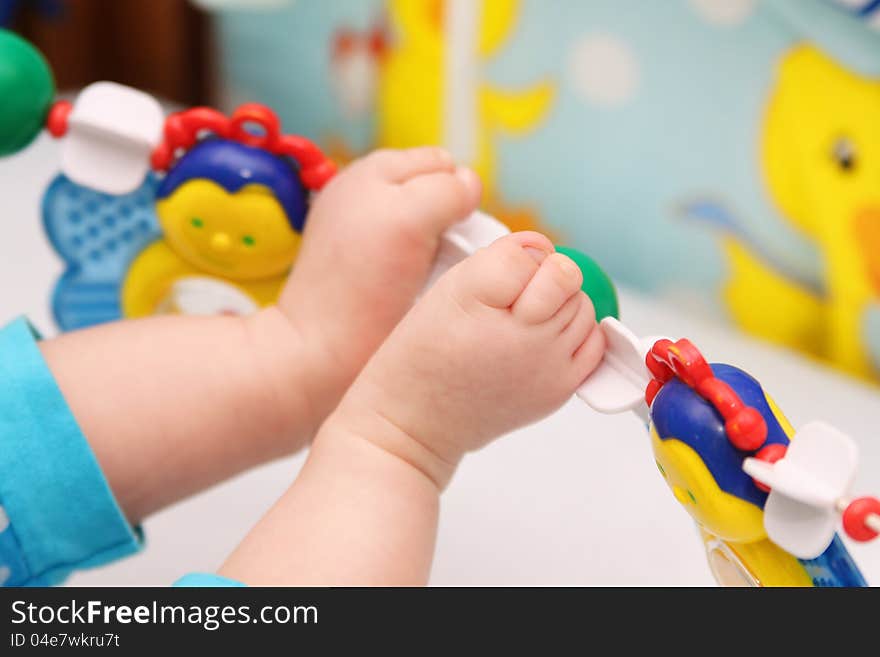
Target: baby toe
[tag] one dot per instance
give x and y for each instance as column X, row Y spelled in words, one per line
column 444, row 198
column 582, row 322
column 398, row 166
column 587, row 357
column 497, row 275
column 570, row 310
column 557, row 280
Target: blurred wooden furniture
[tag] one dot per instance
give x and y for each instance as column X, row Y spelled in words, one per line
column 160, row 46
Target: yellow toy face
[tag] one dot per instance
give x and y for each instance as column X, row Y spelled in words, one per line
column 821, row 155
column 239, row 236
column 719, row 513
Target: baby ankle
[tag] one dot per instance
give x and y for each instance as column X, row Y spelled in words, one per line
column 371, row 424
column 294, row 373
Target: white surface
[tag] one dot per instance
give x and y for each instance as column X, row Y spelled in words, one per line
column 112, row 130
column 576, row 499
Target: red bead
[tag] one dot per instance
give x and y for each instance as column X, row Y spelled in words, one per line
column 56, row 121
column 651, row 391
column 855, row 516
column 160, row 158
column 770, row 454
column 315, row 177
column 258, row 115
column 688, row 363
column 747, row 430
column 655, row 360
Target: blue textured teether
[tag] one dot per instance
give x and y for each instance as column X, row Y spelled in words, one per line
column 97, row 235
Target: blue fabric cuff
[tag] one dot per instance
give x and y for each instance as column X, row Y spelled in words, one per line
column 59, row 509
column 206, row 580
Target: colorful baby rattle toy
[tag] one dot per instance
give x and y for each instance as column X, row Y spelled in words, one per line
column 196, row 213
column 765, row 497
column 231, row 206
column 231, row 202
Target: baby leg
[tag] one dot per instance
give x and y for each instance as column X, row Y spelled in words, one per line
column 503, row 339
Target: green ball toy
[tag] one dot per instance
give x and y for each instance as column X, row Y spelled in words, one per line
column 596, row 284
column 26, row 92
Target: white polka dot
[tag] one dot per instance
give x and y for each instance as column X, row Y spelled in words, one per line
column 4, row 519
column 724, row 12
column 603, row 70
column 5, row 573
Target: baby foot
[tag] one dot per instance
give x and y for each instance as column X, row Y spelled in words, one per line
column 369, row 244
column 502, row 340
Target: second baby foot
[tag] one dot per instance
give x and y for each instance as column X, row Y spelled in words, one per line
column 503, row 339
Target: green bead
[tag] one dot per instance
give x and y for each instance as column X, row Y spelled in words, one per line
column 596, row 284
column 26, row 92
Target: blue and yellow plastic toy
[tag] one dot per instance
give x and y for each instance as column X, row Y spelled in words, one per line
column 221, row 219
column 220, row 216
column 231, row 208
column 705, row 421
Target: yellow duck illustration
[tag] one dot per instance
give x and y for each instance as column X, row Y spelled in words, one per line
column 820, row 134
column 429, row 96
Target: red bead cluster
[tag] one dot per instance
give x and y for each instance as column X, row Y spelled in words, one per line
column 745, row 426
column 184, row 129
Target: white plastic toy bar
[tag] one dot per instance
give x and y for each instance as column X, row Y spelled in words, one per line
column 620, row 381
column 111, row 131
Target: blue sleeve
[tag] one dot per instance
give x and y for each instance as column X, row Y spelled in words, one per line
column 206, row 580
column 57, row 513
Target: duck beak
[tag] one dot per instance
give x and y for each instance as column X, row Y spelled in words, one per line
column 867, row 228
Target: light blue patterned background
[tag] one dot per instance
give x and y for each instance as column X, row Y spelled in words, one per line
column 620, row 181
